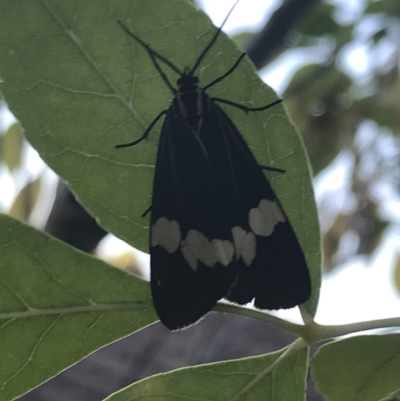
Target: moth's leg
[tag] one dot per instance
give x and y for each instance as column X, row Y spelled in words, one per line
column 147, row 211
column 245, row 108
column 145, row 134
column 277, row 170
column 154, row 56
column 222, row 77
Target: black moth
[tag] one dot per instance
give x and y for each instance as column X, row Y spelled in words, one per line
column 217, row 228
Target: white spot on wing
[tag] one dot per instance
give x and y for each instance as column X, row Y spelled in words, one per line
column 238, row 238
column 262, row 219
column 224, row 251
column 189, row 254
column 166, row 233
column 245, row 244
column 196, row 247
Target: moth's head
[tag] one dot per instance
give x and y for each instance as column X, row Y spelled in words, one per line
column 187, row 79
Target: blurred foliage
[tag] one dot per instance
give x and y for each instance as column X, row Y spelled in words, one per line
column 128, row 261
column 12, row 146
column 396, row 273
column 386, row 7
column 337, row 109
column 26, row 200
column 335, row 106
column 320, row 22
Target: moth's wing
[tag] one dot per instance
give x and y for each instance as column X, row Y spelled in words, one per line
column 217, row 228
column 192, row 254
column 278, row 276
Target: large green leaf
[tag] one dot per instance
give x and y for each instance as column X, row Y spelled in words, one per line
column 58, row 305
column 80, row 85
column 363, row 368
column 225, row 380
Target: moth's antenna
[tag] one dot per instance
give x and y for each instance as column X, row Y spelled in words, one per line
column 204, row 52
column 152, row 53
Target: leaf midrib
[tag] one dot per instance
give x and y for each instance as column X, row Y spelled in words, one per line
column 113, row 88
column 31, row 312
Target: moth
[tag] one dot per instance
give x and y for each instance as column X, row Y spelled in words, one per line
column 217, row 228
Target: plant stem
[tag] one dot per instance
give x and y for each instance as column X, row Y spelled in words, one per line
column 311, row 331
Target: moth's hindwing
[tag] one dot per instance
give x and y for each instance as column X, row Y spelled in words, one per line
column 277, row 277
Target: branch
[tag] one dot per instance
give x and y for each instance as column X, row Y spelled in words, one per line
column 285, row 19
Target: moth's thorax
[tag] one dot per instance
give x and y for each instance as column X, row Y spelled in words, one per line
column 189, row 100
column 187, row 79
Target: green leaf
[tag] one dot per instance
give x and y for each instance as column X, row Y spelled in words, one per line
column 80, row 86
column 364, row 368
column 58, row 305
column 224, row 380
